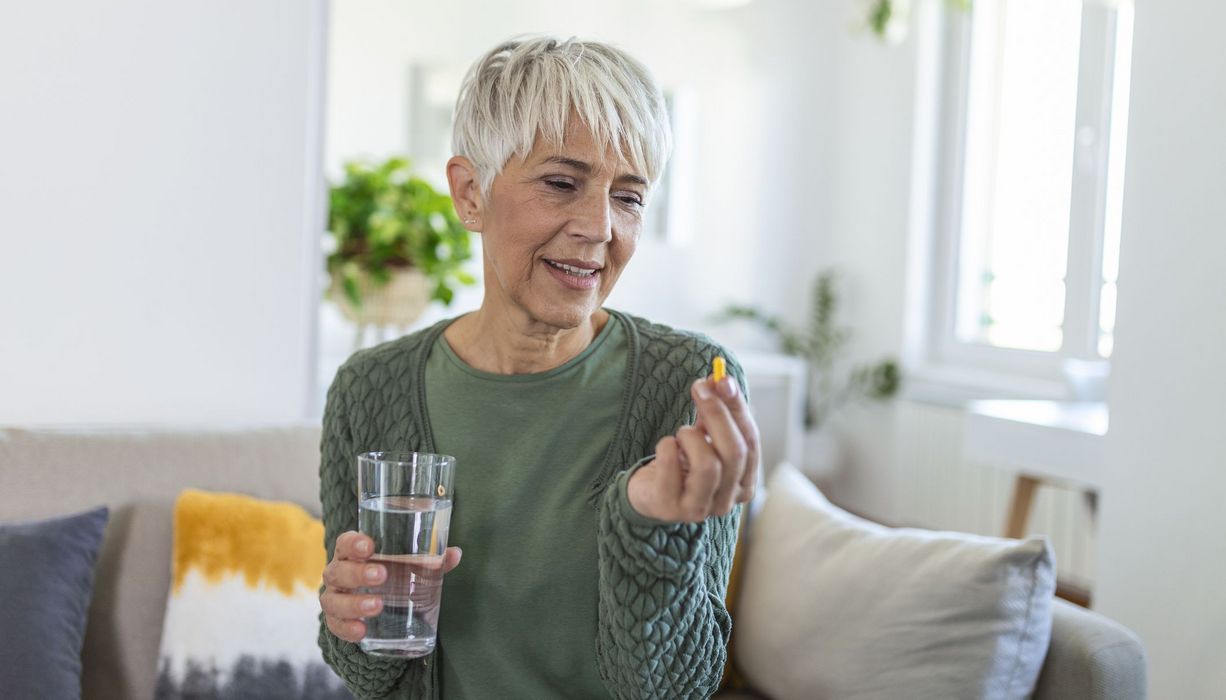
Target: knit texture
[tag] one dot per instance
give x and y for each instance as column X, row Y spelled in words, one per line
column 663, row 628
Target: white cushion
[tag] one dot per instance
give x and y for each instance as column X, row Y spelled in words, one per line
column 834, row 606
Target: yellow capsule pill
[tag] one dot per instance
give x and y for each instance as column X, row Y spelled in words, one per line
column 717, row 369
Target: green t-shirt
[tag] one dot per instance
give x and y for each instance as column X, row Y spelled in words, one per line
column 519, row 615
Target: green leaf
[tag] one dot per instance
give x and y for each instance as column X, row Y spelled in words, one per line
column 884, row 380
column 350, row 285
column 879, row 16
column 821, row 344
column 382, row 217
column 443, row 293
column 380, row 276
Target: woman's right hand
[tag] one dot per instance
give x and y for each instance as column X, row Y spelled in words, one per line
column 344, row 607
column 707, row 468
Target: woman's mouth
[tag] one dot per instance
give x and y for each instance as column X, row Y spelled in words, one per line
column 575, row 274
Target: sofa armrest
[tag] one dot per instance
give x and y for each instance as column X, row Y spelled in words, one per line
column 1091, row 658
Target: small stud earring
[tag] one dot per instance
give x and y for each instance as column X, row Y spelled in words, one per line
column 470, row 221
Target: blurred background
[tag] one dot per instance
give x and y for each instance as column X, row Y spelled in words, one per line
column 976, row 251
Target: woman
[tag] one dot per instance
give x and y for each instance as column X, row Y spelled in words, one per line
column 598, row 468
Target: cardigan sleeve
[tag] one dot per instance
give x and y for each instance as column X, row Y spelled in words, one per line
column 663, row 628
column 365, row 676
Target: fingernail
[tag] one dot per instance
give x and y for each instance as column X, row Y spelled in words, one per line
column 372, row 573
column 704, row 391
column 370, row 604
column 364, row 547
column 727, row 387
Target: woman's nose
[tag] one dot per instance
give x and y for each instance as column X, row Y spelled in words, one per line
column 593, row 219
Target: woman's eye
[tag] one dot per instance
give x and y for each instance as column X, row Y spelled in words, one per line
column 631, row 199
column 562, row 185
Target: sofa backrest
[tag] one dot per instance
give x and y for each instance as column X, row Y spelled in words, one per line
column 138, row 474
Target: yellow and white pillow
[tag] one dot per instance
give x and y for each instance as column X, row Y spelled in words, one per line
column 243, row 613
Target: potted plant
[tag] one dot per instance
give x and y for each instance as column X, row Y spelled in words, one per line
column 398, row 244
column 821, row 343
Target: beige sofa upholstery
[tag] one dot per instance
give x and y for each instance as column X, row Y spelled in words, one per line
column 138, row 474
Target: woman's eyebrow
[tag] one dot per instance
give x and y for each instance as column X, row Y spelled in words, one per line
column 586, row 168
column 581, row 166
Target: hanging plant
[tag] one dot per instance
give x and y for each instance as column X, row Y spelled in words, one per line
column 890, row 20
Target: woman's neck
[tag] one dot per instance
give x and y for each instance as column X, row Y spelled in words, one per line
column 511, row 343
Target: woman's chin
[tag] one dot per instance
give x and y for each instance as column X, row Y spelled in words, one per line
column 567, row 316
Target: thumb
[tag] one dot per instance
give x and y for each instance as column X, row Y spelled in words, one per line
column 451, row 558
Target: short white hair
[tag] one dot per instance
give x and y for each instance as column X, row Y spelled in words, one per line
column 533, row 84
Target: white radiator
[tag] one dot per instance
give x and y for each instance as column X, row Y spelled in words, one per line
column 939, row 489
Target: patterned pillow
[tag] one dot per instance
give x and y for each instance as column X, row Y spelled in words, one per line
column 242, row 617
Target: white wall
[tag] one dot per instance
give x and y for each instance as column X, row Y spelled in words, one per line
column 1163, row 547
column 160, row 196
column 868, row 103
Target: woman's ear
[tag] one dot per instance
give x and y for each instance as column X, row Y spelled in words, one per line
column 465, row 191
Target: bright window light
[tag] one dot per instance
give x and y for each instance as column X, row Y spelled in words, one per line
column 1018, row 169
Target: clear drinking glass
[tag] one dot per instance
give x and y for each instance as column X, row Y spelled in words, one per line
column 404, row 504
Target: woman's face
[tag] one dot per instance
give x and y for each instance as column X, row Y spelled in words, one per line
column 559, row 226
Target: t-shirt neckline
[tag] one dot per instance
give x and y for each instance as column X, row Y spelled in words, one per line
column 573, row 362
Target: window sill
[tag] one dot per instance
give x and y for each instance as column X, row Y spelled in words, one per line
column 954, row 387
column 1056, row 440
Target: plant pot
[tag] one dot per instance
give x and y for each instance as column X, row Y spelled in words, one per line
column 400, row 302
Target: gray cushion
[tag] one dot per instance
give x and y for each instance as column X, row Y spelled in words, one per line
column 45, row 591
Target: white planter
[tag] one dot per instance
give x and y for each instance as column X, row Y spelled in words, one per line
column 398, row 303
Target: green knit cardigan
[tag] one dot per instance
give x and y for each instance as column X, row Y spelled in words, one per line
column 663, row 629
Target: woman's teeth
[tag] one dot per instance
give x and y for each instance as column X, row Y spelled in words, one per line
column 572, row 270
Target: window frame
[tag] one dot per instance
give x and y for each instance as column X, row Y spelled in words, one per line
column 955, row 370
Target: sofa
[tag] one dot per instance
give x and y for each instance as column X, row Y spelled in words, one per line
column 138, row 474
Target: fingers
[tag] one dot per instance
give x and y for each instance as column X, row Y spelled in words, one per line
column 347, row 575
column 349, row 570
column 343, row 612
column 671, row 475
column 348, row 630
column 353, row 545
column 703, row 478
column 345, row 608
column 728, row 442
column 742, row 417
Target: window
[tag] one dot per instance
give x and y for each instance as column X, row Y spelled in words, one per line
column 1030, row 180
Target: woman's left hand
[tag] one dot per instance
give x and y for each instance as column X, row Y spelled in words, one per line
column 707, row 468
